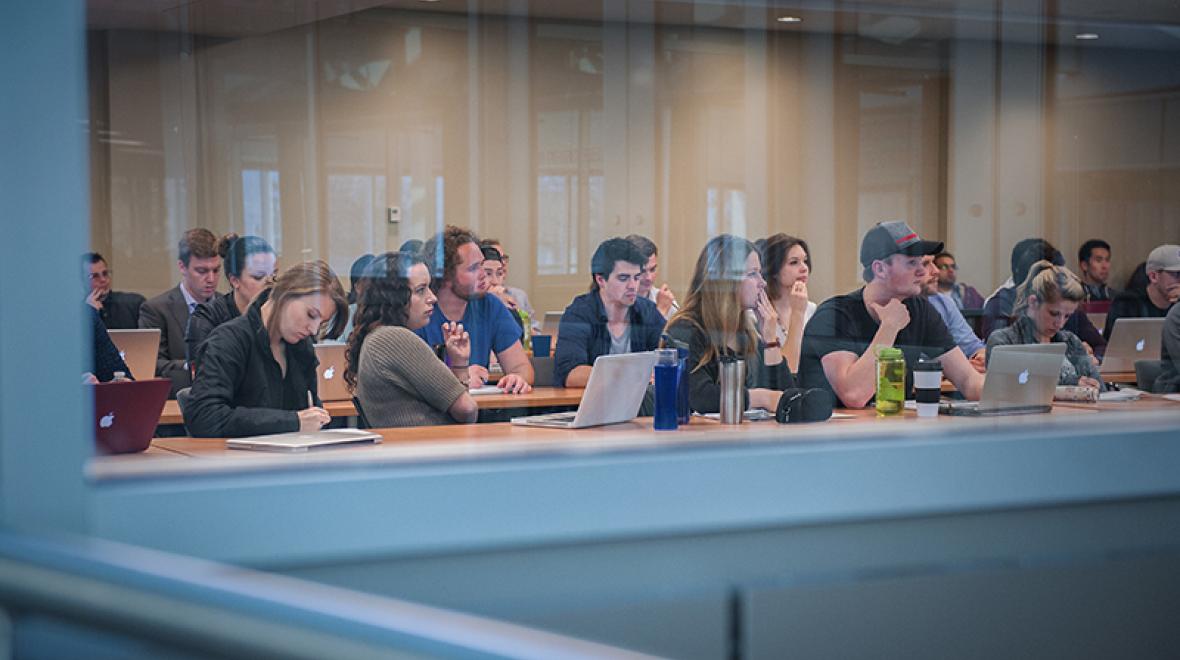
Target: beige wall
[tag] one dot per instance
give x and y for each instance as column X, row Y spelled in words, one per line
column 554, row 135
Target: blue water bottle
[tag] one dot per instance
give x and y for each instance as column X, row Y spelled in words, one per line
column 666, row 376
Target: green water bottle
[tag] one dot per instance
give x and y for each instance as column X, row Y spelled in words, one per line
column 890, row 381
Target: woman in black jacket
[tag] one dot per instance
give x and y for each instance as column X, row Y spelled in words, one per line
column 717, row 320
column 249, row 263
column 257, row 375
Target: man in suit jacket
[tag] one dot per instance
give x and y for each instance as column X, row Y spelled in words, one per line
column 199, row 266
column 119, row 310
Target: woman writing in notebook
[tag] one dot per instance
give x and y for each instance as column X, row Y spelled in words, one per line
column 397, row 379
column 257, row 375
column 1044, row 302
column 716, row 320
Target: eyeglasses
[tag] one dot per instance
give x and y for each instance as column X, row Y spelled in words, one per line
column 948, row 266
column 102, row 274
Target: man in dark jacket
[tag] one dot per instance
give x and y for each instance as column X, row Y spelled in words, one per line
column 611, row 318
column 199, row 266
column 119, row 310
column 1163, row 289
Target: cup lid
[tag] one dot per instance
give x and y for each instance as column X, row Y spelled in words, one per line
column 928, row 365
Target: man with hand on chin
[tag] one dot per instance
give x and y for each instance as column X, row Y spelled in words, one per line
column 841, row 341
column 458, row 279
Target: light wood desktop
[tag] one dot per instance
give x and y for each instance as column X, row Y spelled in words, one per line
column 540, row 397
column 178, row 456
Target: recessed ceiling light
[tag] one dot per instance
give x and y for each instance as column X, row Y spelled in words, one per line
column 1085, row 36
column 789, row 19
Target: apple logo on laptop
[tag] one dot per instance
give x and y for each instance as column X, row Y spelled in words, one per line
column 122, row 356
column 329, row 373
column 1023, row 377
column 1140, row 345
column 107, row 420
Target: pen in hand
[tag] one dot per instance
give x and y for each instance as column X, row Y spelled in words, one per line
column 310, row 400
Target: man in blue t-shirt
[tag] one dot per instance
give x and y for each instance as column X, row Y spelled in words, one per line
column 458, row 279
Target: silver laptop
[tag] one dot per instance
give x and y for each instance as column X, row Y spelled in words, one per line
column 139, row 349
column 330, row 372
column 1021, row 379
column 613, row 394
column 1130, row 340
column 551, row 323
column 299, row 442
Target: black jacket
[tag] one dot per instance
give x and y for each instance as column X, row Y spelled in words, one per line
column 704, row 384
column 120, row 311
column 201, row 322
column 583, row 336
column 239, row 389
column 106, row 355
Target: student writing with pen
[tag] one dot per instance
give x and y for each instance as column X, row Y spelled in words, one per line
column 257, row 375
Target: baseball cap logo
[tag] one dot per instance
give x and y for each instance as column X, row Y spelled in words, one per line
column 904, row 240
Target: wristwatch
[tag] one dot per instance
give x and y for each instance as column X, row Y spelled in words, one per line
column 773, row 344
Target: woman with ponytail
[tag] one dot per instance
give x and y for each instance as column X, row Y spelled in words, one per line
column 1044, row 302
column 395, row 375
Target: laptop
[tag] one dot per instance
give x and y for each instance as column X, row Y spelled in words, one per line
column 551, row 323
column 126, row 413
column 1021, row 379
column 1130, row 340
column 301, row 442
column 613, row 394
column 330, row 372
column 139, row 349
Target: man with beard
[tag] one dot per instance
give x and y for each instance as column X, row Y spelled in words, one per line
column 458, row 279
column 1163, row 289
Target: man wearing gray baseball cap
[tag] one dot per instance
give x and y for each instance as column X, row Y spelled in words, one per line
column 840, row 342
column 1163, row 289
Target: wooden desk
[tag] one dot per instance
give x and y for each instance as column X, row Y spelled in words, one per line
column 1121, row 377
column 540, row 397
column 501, row 440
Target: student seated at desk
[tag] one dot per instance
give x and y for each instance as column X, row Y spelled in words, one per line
column 257, row 373
column 106, row 355
column 458, row 279
column 716, row 321
column 395, row 375
column 841, row 341
column 612, row 318
column 249, row 263
column 1044, row 303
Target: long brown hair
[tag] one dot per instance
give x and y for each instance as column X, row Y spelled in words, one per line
column 714, row 303
column 306, row 279
column 384, row 300
column 774, row 257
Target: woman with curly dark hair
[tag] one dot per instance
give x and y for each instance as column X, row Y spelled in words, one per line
column 394, row 374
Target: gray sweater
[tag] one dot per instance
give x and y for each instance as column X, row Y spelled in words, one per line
column 400, row 382
column 1077, row 361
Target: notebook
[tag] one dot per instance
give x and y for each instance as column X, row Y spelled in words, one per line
column 126, row 413
column 613, row 394
column 330, row 372
column 1021, row 379
column 300, row 441
column 1130, row 340
column 139, row 349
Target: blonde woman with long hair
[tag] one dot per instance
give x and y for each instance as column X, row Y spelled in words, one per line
column 716, row 320
column 258, row 372
column 1044, row 302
